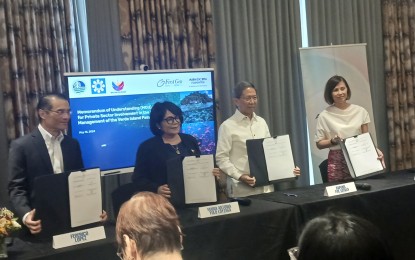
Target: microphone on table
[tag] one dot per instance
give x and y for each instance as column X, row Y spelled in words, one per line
column 241, row 201
column 363, row 186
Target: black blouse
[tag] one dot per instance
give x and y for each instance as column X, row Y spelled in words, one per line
column 150, row 170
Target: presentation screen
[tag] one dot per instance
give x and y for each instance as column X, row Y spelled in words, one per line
column 111, row 111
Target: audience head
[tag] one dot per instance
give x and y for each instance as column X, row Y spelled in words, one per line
column 245, row 97
column 54, row 113
column 331, row 84
column 148, row 226
column 160, row 116
column 341, row 236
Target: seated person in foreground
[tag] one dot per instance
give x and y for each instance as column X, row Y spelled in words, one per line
column 148, row 228
column 342, row 236
column 150, row 172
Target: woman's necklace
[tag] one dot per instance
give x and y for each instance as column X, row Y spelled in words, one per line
column 176, row 148
column 173, row 139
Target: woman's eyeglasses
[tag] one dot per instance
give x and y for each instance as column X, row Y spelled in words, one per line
column 120, row 253
column 293, row 253
column 170, row 120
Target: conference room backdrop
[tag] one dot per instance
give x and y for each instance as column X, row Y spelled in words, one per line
column 254, row 40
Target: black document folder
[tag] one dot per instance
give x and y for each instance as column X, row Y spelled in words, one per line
column 361, row 156
column 258, row 164
column 52, row 205
column 175, row 181
column 198, row 188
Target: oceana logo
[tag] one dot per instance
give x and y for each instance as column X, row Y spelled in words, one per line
column 169, row 82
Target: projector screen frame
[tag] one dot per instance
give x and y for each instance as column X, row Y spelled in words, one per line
column 129, row 169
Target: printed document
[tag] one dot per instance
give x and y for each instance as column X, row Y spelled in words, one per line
column 85, row 197
column 361, row 155
column 199, row 182
column 279, row 157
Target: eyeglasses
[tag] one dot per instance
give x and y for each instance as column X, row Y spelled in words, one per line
column 293, row 253
column 120, row 253
column 61, row 112
column 170, row 120
column 247, row 99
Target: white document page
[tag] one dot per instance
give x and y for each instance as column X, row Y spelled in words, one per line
column 85, row 197
column 279, row 157
column 199, row 182
column 362, row 154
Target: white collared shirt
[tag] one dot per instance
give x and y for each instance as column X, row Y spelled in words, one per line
column 231, row 154
column 54, row 149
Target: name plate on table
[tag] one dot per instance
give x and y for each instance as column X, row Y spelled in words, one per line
column 340, row 189
column 78, row 237
column 218, row 210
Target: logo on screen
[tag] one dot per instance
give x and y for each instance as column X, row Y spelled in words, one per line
column 169, row 83
column 98, row 86
column 198, row 81
column 118, row 86
column 78, row 87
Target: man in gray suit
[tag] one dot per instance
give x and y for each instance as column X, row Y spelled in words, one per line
column 44, row 151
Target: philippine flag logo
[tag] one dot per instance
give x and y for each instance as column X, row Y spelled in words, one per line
column 118, row 86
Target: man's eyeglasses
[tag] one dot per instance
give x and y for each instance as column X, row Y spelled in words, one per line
column 61, row 112
column 170, row 120
column 247, row 99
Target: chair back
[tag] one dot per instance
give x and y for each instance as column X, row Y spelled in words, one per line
column 121, row 195
column 323, row 171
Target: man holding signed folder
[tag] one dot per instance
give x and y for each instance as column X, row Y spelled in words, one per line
column 37, row 161
column 231, row 152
